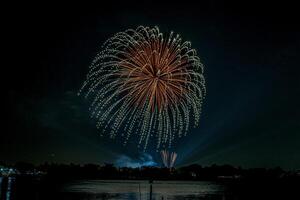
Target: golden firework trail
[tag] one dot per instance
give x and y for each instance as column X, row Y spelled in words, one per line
column 146, row 84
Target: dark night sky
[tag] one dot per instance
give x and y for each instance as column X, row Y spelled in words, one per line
column 251, row 116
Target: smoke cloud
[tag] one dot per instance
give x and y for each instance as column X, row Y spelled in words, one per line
column 126, row 161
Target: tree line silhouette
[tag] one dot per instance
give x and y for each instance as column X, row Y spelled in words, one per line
column 191, row 172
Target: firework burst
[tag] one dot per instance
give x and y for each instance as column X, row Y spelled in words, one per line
column 168, row 158
column 146, row 84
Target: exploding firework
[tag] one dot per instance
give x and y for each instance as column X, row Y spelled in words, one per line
column 146, row 84
column 168, row 158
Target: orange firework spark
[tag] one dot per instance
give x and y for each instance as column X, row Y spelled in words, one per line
column 154, row 73
column 146, row 83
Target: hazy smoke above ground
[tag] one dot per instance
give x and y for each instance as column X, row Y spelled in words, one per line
column 126, row 161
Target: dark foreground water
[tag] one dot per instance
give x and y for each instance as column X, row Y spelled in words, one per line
column 12, row 188
column 141, row 189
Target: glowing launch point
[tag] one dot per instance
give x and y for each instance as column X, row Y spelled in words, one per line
column 168, row 158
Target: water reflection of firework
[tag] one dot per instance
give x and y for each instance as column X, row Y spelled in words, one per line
column 168, row 158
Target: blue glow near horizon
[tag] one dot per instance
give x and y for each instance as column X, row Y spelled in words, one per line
column 126, row 161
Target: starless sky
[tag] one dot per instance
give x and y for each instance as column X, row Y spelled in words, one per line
column 250, row 116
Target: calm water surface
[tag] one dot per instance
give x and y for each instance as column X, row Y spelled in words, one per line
column 12, row 189
column 23, row 188
column 141, row 190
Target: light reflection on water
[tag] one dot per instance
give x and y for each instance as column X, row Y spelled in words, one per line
column 136, row 190
column 6, row 187
column 9, row 187
column 1, row 178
